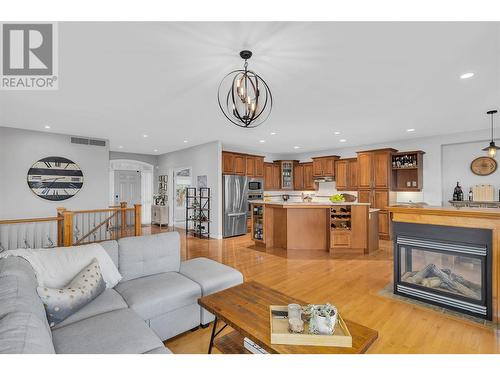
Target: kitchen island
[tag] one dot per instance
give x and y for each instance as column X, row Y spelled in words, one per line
column 334, row 227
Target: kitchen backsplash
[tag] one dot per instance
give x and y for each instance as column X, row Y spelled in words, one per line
column 324, row 192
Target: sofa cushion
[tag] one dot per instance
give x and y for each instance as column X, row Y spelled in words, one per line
column 211, row 275
column 109, row 300
column 111, row 248
column 24, row 333
column 115, row 332
column 149, row 255
column 152, row 296
column 19, row 267
column 83, row 289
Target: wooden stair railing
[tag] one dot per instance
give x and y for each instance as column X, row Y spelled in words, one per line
column 71, row 227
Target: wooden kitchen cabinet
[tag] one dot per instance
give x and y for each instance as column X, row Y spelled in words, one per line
column 240, row 164
column 365, row 170
column 352, row 182
column 364, row 196
column 324, row 166
column 227, row 163
column 298, row 177
column 342, row 174
column 268, row 176
column 308, row 176
column 259, row 166
column 384, row 225
column 276, row 176
column 250, row 166
column 382, row 169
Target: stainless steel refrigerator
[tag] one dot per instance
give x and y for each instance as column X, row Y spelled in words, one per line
column 235, row 205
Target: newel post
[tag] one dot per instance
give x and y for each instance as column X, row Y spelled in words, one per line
column 67, row 228
column 60, row 226
column 123, row 212
column 138, row 221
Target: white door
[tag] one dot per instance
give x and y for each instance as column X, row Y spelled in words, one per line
column 127, row 187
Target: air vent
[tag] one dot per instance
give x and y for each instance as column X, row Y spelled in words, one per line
column 88, row 141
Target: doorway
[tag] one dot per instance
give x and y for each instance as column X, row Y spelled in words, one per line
column 127, row 187
column 131, row 181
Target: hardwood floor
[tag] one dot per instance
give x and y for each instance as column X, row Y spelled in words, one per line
column 351, row 283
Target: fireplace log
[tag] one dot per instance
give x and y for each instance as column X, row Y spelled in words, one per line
column 462, row 280
column 431, row 282
column 431, row 271
column 447, row 282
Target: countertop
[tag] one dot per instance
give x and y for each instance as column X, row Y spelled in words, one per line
column 489, row 213
column 311, row 204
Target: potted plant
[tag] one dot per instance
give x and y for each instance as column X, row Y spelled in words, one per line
column 322, row 318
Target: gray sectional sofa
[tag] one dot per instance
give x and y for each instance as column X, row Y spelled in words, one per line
column 155, row 300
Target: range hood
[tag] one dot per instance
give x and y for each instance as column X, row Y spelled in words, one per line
column 324, row 179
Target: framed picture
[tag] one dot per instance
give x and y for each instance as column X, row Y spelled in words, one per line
column 201, row 181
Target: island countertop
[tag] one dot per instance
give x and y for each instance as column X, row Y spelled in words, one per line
column 307, row 204
column 485, row 213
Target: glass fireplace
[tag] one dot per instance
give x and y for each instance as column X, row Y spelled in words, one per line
column 439, row 265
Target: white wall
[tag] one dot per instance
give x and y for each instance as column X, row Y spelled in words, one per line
column 19, row 149
column 205, row 159
column 457, row 158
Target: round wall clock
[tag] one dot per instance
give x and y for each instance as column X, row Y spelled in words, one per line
column 483, row 166
column 55, row 178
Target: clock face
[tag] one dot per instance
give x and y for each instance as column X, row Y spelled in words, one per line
column 55, row 178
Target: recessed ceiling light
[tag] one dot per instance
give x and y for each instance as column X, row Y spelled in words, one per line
column 336, row 133
column 185, row 141
column 342, row 140
column 145, row 135
column 410, row 130
column 120, row 146
column 47, row 126
column 296, row 147
column 467, row 75
column 262, row 141
column 155, row 150
column 273, row 133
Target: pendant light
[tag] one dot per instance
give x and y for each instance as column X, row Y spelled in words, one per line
column 244, row 97
column 492, row 148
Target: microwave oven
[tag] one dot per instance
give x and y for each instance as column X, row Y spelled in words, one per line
column 255, row 184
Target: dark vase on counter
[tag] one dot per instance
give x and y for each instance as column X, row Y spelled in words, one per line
column 458, row 194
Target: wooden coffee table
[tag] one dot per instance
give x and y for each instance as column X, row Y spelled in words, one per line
column 245, row 308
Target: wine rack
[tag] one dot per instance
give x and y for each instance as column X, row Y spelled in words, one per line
column 340, row 226
column 257, row 222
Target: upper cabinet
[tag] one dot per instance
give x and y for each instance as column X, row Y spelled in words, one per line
column 341, row 174
column 365, row 170
column 259, row 166
column 227, row 163
column 324, row 166
column 407, row 171
column 242, row 164
column 382, row 169
column 268, row 176
column 346, row 174
column 308, row 176
column 298, row 177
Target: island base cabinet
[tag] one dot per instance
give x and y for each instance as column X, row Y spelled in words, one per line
column 340, row 239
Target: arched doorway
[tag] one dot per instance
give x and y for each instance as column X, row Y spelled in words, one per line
column 132, row 181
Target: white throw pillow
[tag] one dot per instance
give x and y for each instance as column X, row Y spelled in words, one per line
column 62, row 302
column 56, row 267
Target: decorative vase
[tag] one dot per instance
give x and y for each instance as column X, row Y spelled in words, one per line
column 325, row 325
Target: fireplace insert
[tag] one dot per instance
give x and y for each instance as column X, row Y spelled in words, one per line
column 445, row 266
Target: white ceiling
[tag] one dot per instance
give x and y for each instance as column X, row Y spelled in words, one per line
column 370, row 81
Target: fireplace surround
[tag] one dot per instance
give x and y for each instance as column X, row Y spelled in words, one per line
column 446, row 266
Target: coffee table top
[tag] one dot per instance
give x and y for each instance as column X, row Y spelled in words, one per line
column 245, row 308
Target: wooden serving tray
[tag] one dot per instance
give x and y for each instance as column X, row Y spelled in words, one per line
column 280, row 335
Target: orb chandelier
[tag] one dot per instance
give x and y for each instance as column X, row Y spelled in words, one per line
column 244, row 97
column 492, row 148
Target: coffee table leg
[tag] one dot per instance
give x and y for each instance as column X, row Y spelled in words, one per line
column 215, row 333
column 212, row 337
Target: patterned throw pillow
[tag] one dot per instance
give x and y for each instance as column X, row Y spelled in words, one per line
column 61, row 303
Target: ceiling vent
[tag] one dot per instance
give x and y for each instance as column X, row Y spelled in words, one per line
column 88, row 141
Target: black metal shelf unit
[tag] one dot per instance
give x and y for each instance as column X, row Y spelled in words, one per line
column 198, row 212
